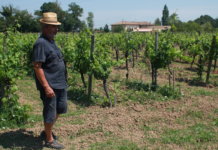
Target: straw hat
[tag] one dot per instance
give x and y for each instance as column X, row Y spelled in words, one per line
column 49, row 18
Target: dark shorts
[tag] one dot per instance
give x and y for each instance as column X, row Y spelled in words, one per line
column 55, row 105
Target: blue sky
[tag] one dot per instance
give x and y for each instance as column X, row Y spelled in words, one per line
column 112, row 11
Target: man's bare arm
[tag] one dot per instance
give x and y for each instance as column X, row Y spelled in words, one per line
column 41, row 77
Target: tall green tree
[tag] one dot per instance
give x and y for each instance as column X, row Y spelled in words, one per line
column 165, row 16
column 72, row 21
column 157, row 22
column 106, row 28
column 90, row 21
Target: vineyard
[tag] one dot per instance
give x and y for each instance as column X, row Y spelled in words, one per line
column 126, row 91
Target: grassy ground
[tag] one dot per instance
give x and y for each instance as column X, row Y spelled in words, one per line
column 141, row 120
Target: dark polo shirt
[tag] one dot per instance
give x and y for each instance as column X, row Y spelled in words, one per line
column 50, row 56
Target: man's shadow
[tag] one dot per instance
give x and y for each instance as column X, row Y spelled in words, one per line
column 22, row 139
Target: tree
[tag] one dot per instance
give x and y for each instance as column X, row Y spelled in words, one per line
column 165, row 17
column 72, row 21
column 174, row 19
column 106, row 28
column 192, row 26
column 49, row 7
column 204, row 19
column 216, row 23
column 2, row 24
column 90, row 21
column 118, row 28
column 20, row 19
column 101, row 29
column 7, row 16
column 157, row 22
column 26, row 21
column 207, row 27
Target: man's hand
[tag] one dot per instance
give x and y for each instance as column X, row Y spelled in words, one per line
column 49, row 92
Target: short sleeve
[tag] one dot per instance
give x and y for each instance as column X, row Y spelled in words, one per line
column 38, row 54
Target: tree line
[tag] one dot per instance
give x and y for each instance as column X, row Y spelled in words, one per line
column 204, row 23
column 26, row 22
column 71, row 22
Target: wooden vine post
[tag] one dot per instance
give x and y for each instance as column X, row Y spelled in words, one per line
column 154, row 69
column 91, row 60
column 211, row 55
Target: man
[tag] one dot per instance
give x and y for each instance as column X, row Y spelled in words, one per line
column 50, row 75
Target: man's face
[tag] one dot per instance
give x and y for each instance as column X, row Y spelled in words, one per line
column 51, row 31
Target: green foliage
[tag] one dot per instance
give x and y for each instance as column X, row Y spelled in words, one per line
column 90, row 21
column 195, row 48
column 102, row 64
column 12, row 114
column 81, row 61
column 11, row 69
column 118, row 29
column 67, row 44
column 165, row 54
column 49, row 7
column 202, row 92
column 212, row 55
column 70, row 19
column 198, row 133
column 188, row 27
column 215, row 122
column 141, row 92
column 11, row 17
column 174, row 19
column 195, row 114
column 72, row 22
column 161, row 55
column 136, row 85
column 165, row 16
column 106, row 28
column 79, row 96
column 170, row 92
column 26, row 21
column 204, row 19
column 7, row 16
column 157, row 22
column 15, row 62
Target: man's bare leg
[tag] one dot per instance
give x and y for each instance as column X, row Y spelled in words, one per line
column 48, row 130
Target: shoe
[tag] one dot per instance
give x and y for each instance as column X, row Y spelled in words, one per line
column 43, row 136
column 54, row 144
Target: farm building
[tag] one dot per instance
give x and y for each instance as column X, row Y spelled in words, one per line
column 138, row 26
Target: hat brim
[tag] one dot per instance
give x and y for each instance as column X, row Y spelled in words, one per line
column 51, row 23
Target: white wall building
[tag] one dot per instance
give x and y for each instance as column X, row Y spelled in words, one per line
column 138, row 26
